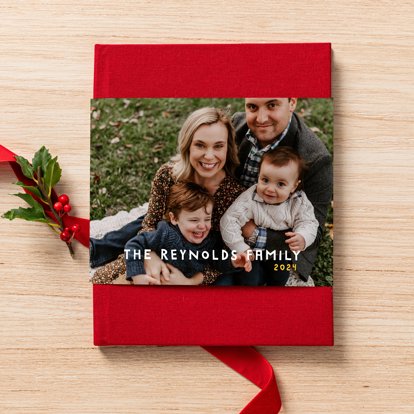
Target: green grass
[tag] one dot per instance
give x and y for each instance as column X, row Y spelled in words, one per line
column 132, row 138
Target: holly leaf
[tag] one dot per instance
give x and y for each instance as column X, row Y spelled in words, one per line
column 27, row 169
column 34, row 190
column 29, row 214
column 40, row 159
column 52, row 175
column 34, row 213
column 31, row 201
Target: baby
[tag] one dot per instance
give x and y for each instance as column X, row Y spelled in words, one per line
column 183, row 240
column 274, row 203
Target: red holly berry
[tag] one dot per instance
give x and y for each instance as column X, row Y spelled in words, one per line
column 67, row 230
column 67, row 208
column 65, row 236
column 64, row 199
column 75, row 228
column 58, row 206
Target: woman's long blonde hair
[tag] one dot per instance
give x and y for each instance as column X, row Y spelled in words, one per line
column 183, row 171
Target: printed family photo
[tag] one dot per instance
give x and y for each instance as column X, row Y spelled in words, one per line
column 224, row 192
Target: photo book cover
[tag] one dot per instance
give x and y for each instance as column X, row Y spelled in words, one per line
column 212, row 201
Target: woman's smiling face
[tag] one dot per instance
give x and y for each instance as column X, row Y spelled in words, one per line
column 208, row 149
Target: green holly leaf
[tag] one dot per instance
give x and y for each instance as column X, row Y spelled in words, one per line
column 31, row 201
column 34, row 190
column 52, row 175
column 27, row 169
column 34, row 213
column 29, row 214
column 40, row 159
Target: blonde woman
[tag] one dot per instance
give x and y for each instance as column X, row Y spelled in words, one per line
column 207, row 155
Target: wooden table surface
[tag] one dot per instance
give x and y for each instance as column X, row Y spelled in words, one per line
column 47, row 361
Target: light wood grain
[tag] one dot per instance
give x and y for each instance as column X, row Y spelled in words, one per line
column 48, row 363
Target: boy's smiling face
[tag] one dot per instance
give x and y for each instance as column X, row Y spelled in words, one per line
column 194, row 225
column 277, row 183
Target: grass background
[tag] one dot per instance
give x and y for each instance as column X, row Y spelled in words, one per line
column 132, row 138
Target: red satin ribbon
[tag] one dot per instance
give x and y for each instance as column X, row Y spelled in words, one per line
column 256, row 368
column 243, row 359
column 83, row 234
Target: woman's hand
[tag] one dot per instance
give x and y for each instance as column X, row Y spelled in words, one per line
column 155, row 267
column 176, row 277
column 145, row 280
column 248, row 229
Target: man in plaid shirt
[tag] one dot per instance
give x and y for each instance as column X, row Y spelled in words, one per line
column 266, row 124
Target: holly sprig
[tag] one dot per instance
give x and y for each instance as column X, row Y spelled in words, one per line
column 44, row 173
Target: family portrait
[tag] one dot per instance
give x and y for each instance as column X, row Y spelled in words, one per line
column 227, row 192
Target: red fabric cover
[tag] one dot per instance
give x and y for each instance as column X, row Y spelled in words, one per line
column 237, row 70
column 213, row 316
column 228, row 315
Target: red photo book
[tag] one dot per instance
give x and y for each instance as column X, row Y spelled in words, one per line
column 221, row 315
